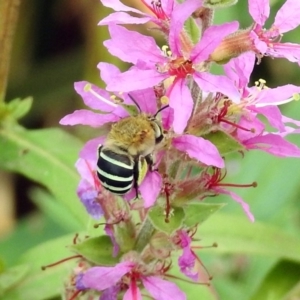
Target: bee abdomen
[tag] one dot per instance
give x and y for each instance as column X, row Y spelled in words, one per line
column 115, row 171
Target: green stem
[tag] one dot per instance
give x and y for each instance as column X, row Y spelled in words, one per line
column 144, row 235
column 9, row 10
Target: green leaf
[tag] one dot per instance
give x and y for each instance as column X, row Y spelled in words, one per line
column 98, row 250
column 53, row 208
column 219, row 3
column 158, row 219
column 279, row 282
column 11, row 277
column 38, row 284
column 19, row 108
column 46, row 156
column 197, row 213
column 224, row 142
column 238, row 235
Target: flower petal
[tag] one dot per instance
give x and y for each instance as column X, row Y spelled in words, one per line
column 94, row 97
column 179, row 16
column 182, row 103
column 217, row 83
column 259, row 10
column 131, row 46
column 89, row 118
column 119, row 6
column 276, row 96
column 287, row 17
column 123, row 18
column 200, row 149
column 101, row 278
column 161, row 289
column 273, row 144
column 240, row 68
column 150, row 188
column 135, row 79
column 273, row 115
column 211, row 38
column 239, row 200
column 133, row 293
column 89, row 150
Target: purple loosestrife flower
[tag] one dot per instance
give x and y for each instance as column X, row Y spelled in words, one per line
column 153, row 66
column 267, row 41
column 88, row 188
column 260, row 100
column 127, row 276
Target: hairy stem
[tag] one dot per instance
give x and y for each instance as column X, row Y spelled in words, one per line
column 9, row 10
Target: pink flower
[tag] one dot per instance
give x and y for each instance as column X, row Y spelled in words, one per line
column 104, row 278
column 152, row 66
column 268, row 42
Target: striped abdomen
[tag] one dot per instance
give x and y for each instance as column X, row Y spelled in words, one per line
column 115, row 171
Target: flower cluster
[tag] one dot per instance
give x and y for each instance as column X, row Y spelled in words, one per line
column 203, row 117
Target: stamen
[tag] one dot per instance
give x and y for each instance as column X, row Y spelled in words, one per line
column 210, row 277
column 188, row 281
column 61, row 261
column 253, row 184
column 74, row 296
column 88, row 88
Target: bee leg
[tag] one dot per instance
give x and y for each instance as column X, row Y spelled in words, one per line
column 149, row 160
column 136, row 177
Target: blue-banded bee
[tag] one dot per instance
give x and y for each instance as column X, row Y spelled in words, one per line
column 126, row 155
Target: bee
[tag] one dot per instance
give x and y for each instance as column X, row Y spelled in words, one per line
column 126, row 155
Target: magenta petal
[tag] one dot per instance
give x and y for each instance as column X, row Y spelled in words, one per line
column 179, row 16
column 133, row 292
column 240, row 68
column 200, row 149
column 161, row 289
column 150, row 188
column 135, row 79
column 87, row 117
column 101, row 278
column 131, row 46
column 273, row 115
column 94, row 97
column 119, row 6
column 85, row 168
column 182, row 103
column 290, row 51
column 217, row 83
column 276, row 96
column 287, row 17
column 108, row 71
column 239, row 200
column 89, row 150
column 146, row 99
column 259, row 10
column 273, row 144
column 212, row 37
column 123, row 18
column 186, row 263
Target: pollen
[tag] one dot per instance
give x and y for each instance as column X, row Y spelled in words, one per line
column 164, row 100
column 166, row 51
column 296, row 97
column 261, row 84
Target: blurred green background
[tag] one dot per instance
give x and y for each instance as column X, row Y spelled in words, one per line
column 59, row 42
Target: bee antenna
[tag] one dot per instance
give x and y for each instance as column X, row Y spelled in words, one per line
column 134, row 101
column 160, row 110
